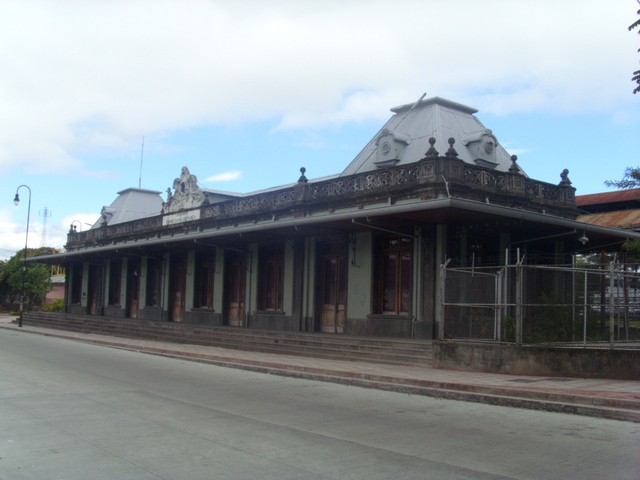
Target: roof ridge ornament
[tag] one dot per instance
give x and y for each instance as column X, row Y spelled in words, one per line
column 451, row 153
column 514, row 168
column 303, row 178
column 432, row 152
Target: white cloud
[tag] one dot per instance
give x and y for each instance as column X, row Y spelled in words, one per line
column 53, row 235
column 80, row 77
column 11, row 240
column 14, row 235
column 224, row 177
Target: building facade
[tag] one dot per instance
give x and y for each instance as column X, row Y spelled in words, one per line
column 357, row 253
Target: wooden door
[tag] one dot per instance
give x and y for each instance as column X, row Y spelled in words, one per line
column 94, row 294
column 177, row 288
column 333, row 293
column 133, row 289
column 234, row 285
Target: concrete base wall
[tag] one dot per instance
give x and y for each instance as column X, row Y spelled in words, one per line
column 77, row 309
column 114, row 311
column 203, row 317
column 423, row 330
column 150, row 313
column 538, row 360
column 379, row 326
column 266, row 321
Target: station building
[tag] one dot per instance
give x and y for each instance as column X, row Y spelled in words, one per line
column 357, row 253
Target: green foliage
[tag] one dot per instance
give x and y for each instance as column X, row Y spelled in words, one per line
column 34, row 276
column 632, row 247
column 541, row 324
column 630, row 179
column 550, row 323
column 56, row 305
column 636, row 74
column 508, row 329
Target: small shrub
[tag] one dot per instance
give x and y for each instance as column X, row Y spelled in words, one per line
column 56, row 305
column 508, row 329
column 549, row 322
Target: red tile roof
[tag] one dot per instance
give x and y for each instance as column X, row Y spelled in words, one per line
column 608, row 197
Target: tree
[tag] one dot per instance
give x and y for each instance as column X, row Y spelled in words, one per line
column 37, row 281
column 636, row 74
column 630, row 179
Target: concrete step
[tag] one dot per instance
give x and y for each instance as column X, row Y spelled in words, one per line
column 228, row 333
column 265, row 344
column 344, row 347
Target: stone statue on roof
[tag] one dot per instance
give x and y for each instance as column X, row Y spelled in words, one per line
column 186, row 193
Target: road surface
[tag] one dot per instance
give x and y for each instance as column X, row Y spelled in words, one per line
column 71, row 411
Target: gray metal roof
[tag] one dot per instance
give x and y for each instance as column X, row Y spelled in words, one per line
column 131, row 204
column 410, row 128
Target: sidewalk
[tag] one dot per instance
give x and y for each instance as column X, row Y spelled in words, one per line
column 613, row 399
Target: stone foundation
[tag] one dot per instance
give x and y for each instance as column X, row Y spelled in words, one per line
column 592, row 362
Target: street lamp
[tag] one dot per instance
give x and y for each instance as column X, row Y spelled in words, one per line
column 16, row 200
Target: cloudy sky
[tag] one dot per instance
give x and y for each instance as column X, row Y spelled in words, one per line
column 245, row 92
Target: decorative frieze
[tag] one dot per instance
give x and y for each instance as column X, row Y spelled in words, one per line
column 431, row 177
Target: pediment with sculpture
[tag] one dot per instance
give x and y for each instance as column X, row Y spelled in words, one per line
column 186, row 193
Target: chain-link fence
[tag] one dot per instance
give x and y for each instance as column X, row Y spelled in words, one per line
column 541, row 304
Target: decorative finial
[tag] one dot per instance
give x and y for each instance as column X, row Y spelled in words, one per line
column 565, row 182
column 302, row 178
column 432, row 152
column 451, row 153
column 514, row 166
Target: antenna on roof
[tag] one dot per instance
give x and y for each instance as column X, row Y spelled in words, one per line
column 418, row 102
column 141, row 155
column 46, row 213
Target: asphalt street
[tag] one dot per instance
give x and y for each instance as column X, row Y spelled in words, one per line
column 70, row 410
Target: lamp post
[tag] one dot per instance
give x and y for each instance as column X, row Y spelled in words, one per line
column 16, row 200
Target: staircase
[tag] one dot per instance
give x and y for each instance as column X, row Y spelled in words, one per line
column 397, row 351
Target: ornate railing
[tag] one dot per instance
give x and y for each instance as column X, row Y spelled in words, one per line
column 428, row 178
